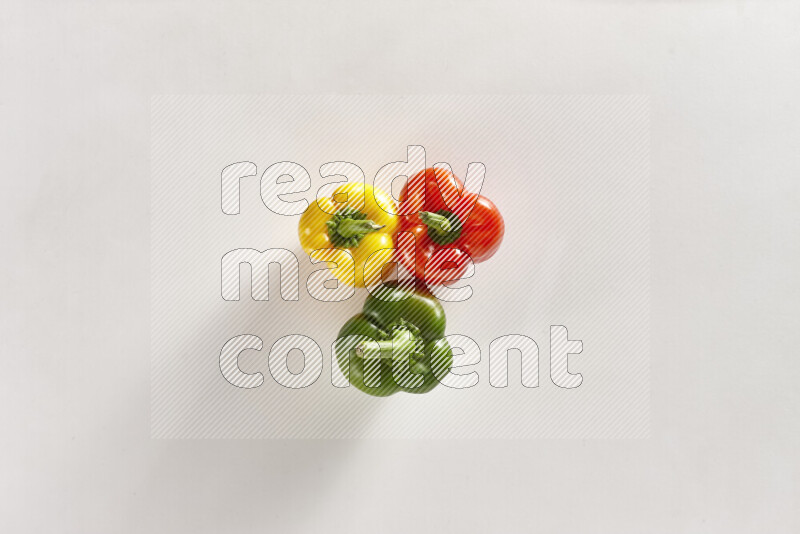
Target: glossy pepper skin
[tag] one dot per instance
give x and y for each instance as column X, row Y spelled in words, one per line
column 447, row 234
column 356, row 218
column 404, row 348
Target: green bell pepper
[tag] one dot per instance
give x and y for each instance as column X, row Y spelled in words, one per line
column 396, row 343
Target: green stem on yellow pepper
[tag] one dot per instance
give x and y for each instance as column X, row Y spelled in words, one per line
column 352, row 227
column 348, row 227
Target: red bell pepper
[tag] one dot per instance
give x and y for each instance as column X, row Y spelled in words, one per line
column 453, row 227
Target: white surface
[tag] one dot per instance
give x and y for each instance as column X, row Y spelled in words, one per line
column 570, row 176
column 74, row 108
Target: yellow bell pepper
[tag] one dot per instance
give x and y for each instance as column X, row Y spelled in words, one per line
column 356, row 218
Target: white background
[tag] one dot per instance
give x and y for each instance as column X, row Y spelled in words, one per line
column 75, row 90
column 570, row 177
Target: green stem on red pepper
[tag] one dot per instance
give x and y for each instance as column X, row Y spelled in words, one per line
column 438, row 223
column 443, row 226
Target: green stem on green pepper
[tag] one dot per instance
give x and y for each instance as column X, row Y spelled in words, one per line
column 403, row 342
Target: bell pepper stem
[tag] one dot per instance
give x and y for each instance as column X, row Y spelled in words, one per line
column 402, row 343
column 439, row 223
column 353, row 227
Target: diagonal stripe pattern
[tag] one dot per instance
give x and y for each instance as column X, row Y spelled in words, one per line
column 570, row 175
